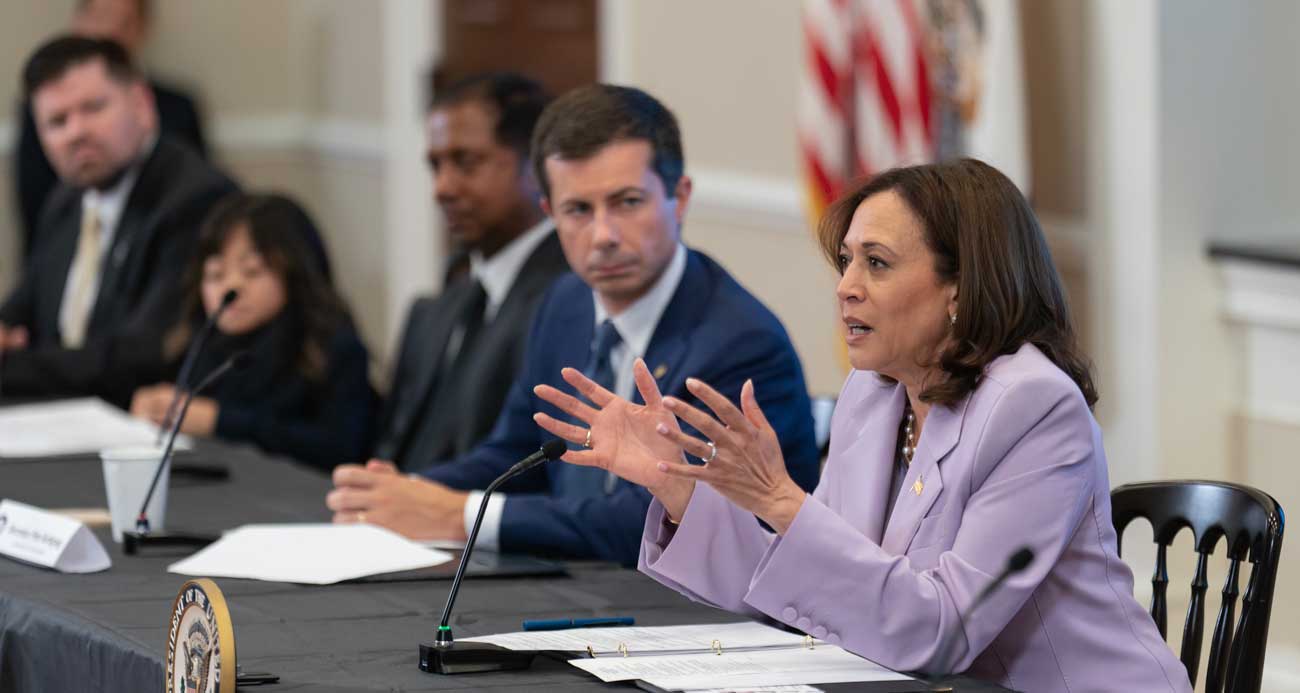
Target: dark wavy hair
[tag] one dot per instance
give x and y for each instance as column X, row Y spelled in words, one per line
column 291, row 245
column 985, row 238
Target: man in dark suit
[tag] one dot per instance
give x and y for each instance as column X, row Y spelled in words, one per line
column 127, row 22
column 610, row 164
column 460, row 350
column 115, row 235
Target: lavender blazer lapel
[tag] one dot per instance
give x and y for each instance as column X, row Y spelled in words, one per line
column 924, row 482
column 864, row 433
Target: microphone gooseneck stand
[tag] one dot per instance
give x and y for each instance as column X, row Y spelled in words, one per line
column 444, row 655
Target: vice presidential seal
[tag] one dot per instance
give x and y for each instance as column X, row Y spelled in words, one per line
column 200, row 641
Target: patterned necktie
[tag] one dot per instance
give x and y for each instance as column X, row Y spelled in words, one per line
column 591, row 482
column 85, row 278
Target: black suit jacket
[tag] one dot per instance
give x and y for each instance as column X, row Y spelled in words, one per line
column 34, row 179
column 139, row 283
column 486, row 372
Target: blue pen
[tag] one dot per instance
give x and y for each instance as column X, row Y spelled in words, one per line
column 562, row 623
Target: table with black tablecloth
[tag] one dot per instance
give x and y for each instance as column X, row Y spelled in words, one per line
column 106, row 631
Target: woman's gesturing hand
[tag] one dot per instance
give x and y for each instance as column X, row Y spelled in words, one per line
column 742, row 455
column 621, row 437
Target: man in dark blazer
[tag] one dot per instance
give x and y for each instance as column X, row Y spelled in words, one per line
column 610, row 164
column 460, row 350
column 103, row 280
column 127, row 22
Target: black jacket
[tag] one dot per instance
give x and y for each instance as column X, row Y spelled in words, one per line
column 414, row 435
column 321, row 421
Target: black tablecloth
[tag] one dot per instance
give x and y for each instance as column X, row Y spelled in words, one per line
column 106, row 631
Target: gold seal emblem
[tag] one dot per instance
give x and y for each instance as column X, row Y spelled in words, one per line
column 200, row 641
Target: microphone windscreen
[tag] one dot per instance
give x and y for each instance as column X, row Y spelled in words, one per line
column 1020, row 560
column 553, row 448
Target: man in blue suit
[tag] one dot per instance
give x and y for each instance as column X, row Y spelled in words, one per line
column 610, row 165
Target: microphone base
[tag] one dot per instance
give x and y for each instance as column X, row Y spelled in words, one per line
column 133, row 542
column 472, row 658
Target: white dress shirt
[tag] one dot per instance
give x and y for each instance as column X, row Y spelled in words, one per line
column 497, row 274
column 636, row 325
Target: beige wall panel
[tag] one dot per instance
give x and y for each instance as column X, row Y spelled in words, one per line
column 786, row 271
column 242, row 56
column 729, row 70
column 347, row 82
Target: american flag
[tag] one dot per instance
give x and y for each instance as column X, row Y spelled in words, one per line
column 897, row 82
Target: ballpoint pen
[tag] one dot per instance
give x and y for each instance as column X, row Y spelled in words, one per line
column 562, row 623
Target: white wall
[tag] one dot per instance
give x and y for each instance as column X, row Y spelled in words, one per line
column 1230, row 169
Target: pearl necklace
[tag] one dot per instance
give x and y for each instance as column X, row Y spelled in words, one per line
column 909, row 443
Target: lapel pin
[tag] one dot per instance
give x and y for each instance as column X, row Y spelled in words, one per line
column 660, row 370
column 918, row 486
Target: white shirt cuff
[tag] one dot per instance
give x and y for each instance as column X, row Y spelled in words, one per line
column 489, row 534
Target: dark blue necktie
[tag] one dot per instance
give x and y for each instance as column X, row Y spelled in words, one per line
column 589, row 482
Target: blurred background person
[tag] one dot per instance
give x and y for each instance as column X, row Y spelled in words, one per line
column 129, row 23
column 116, row 233
column 304, row 391
column 460, row 350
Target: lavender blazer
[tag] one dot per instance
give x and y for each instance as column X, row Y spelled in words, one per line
column 1019, row 462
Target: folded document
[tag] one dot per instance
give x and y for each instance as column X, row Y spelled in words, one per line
column 679, row 658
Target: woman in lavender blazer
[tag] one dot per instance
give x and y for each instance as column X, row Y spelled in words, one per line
column 963, row 433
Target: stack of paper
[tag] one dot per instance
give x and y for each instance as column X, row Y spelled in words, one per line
column 315, row 554
column 725, row 656
column 71, row 427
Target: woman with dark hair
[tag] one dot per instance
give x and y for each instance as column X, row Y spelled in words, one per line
column 963, row 433
column 305, row 391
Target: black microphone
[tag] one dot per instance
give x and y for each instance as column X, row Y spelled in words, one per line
column 132, row 539
column 1017, row 562
column 192, row 355
column 444, row 656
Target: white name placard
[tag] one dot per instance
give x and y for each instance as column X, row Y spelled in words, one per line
column 50, row 540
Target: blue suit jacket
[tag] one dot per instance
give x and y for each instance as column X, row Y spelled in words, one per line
column 712, row 329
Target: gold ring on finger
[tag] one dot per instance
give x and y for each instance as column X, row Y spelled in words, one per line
column 587, row 443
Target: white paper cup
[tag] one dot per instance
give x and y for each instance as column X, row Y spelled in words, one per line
column 127, row 473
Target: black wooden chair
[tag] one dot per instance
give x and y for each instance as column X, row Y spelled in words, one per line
column 1252, row 523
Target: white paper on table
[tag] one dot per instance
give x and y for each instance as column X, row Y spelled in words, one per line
column 315, row 554
column 780, row 667
column 649, row 639
column 50, row 540
column 72, row 427
column 797, row 688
